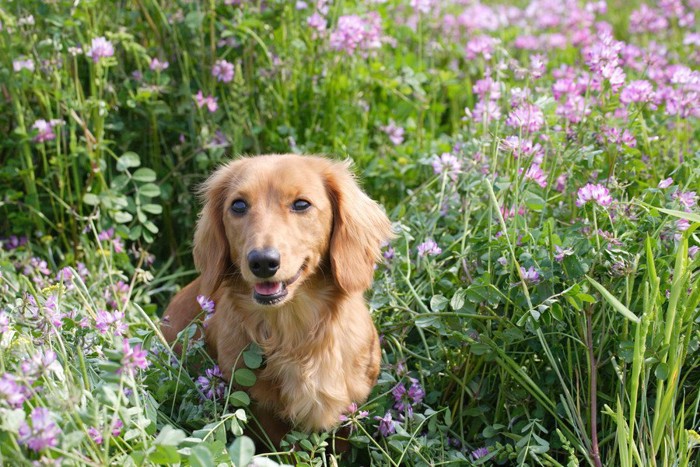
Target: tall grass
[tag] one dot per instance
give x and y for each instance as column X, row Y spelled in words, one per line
column 540, row 305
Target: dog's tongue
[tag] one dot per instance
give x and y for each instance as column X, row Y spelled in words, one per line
column 268, row 288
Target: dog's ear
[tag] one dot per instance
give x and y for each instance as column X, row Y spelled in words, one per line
column 211, row 249
column 359, row 229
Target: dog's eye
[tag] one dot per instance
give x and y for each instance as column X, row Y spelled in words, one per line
column 239, row 206
column 300, row 205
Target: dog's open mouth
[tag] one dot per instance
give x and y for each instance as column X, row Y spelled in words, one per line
column 271, row 293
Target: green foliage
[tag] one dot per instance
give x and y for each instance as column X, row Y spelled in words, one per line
column 540, row 305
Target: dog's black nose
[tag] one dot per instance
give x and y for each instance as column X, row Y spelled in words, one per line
column 264, row 263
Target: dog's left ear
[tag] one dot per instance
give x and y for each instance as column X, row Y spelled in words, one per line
column 359, row 229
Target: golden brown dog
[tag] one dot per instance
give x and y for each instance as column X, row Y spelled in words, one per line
column 285, row 246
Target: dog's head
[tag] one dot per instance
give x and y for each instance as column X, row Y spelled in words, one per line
column 274, row 220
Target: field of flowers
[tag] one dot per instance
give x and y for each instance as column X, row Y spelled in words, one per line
column 540, row 161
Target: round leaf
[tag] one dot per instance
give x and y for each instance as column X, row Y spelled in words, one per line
column 242, row 451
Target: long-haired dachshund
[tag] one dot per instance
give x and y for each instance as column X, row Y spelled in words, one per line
column 285, row 246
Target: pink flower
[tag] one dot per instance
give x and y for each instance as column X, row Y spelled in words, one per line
column 423, row 6
column 43, row 432
column 222, row 71
column 598, row 194
column 23, row 64
column 134, row 358
column 354, row 33
column 530, row 275
column 157, row 65
column 485, row 111
column 209, row 101
column 666, row 183
column 682, row 224
column 637, row 91
column 11, row 392
column 644, row 19
column 429, row 248
column 447, row 163
column 394, row 132
column 100, row 48
column 112, row 322
column 45, row 130
column 529, row 117
column 317, row 22
column 480, row 45
column 688, row 199
column 536, row 174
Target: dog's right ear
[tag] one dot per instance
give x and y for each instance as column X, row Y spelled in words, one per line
column 211, row 250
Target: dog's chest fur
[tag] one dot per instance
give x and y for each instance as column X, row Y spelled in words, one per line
column 304, row 378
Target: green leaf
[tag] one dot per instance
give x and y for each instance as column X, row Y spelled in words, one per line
column 438, row 303
column 201, row 457
column 127, row 160
column 244, row 377
column 152, row 208
column 170, row 436
column 239, row 399
column 122, row 217
column 151, row 227
column 614, row 302
column 662, row 371
column 144, row 175
column 253, row 358
column 242, row 451
column 457, row 301
column 691, row 216
column 149, row 190
column 91, row 199
column 164, row 455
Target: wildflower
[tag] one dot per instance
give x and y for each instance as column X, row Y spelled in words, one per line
column 23, row 64
column 693, row 251
column 538, row 65
column 637, row 91
column 422, row 6
column 536, row 174
column 560, row 184
column 4, row 321
column 416, row 392
column 317, row 22
column 39, row 363
column 429, row 248
column 209, row 101
column 480, row 45
column 561, row 253
column 485, row 111
column 133, row 359
column 45, row 130
column 43, row 432
column 353, row 33
column 481, row 452
column 110, row 321
column 212, row 383
column 688, row 199
column 301, row 5
column 157, row 65
column 448, row 164
column 529, row 117
column 682, row 225
column 645, row 19
column 598, row 194
column 388, row 254
column 530, row 275
column 11, row 392
column 666, row 183
column 117, row 428
column 222, row 71
column 387, row 426
column 208, row 306
column 100, row 48
column 95, row 434
column 394, row 132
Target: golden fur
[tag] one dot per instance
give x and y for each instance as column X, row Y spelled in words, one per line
column 321, row 347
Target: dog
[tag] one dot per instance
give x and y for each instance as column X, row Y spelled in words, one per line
column 286, row 245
